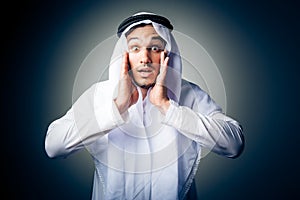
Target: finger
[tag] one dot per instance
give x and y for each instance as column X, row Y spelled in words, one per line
column 166, row 52
column 125, row 66
column 163, row 68
column 163, row 60
column 162, row 57
column 166, row 61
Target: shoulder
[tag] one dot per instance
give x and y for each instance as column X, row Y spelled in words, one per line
column 97, row 90
column 196, row 98
column 192, row 89
column 104, row 88
column 103, row 84
column 99, row 87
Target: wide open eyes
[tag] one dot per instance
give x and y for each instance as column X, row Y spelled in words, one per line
column 154, row 48
column 134, row 49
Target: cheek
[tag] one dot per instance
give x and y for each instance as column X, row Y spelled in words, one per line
column 133, row 59
column 155, row 58
column 156, row 62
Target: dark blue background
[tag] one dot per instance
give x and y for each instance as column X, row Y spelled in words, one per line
column 32, row 33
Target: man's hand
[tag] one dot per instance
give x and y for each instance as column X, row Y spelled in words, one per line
column 127, row 92
column 158, row 94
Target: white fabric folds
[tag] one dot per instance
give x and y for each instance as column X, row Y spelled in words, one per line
column 143, row 154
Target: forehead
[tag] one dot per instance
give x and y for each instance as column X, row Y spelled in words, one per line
column 143, row 32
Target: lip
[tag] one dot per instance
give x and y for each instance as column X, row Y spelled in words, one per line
column 145, row 72
column 145, row 69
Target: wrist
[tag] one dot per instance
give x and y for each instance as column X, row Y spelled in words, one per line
column 121, row 106
column 164, row 106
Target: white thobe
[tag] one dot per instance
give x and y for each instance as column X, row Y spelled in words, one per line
column 142, row 154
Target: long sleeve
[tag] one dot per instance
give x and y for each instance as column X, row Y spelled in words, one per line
column 91, row 116
column 216, row 132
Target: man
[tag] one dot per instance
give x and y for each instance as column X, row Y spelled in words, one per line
column 145, row 127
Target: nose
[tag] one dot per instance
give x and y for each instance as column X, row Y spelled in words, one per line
column 145, row 56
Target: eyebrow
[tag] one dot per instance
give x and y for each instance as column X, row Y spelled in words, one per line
column 133, row 38
column 157, row 38
column 153, row 38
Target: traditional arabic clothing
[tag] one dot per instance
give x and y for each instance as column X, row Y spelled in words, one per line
column 143, row 154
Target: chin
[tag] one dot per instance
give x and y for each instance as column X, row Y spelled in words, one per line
column 145, row 85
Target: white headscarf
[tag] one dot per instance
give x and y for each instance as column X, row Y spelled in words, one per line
column 173, row 79
column 143, row 157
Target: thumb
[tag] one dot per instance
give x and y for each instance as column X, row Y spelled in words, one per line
column 125, row 66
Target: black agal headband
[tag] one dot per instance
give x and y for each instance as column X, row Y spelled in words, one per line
column 136, row 18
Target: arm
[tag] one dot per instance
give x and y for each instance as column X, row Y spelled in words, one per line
column 92, row 115
column 201, row 120
column 217, row 131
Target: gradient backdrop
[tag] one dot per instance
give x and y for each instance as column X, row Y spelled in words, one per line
column 255, row 46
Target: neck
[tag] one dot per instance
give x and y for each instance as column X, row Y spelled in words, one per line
column 144, row 92
column 144, row 89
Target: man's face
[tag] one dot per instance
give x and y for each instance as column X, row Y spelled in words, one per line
column 145, row 47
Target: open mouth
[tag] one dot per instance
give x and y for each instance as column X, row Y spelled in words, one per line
column 145, row 71
column 145, row 74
